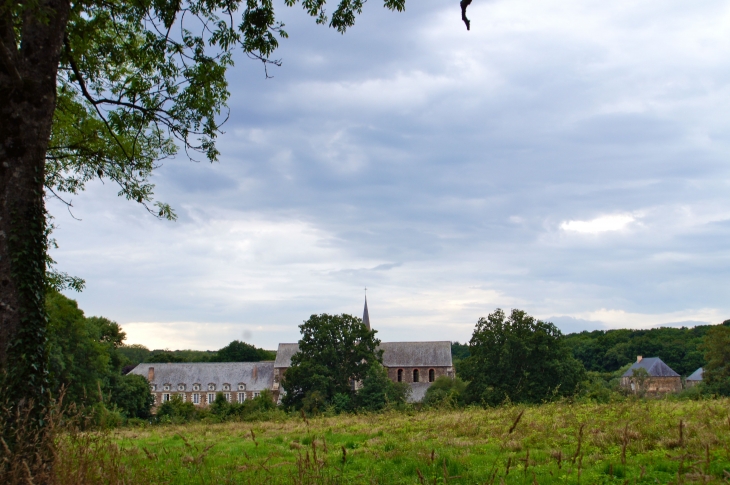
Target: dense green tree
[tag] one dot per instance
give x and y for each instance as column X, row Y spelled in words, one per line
column 105, row 90
column 716, row 372
column 134, row 353
column 378, row 391
column 131, row 395
column 334, row 351
column 164, row 357
column 238, row 351
column 520, row 359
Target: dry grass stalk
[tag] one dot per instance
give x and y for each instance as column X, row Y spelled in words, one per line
column 517, row 420
column 580, row 442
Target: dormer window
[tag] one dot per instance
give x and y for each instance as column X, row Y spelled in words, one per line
column 241, row 387
column 181, row 387
column 211, row 387
column 153, row 387
column 196, row 387
column 166, row 387
column 226, row 387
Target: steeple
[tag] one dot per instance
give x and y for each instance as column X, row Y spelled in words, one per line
column 365, row 314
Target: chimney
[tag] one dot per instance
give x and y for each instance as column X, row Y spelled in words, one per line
column 255, row 368
column 151, row 374
column 638, row 358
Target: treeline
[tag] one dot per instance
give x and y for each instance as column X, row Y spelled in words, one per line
column 89, row 362
column 236, row 351
column 608, row 351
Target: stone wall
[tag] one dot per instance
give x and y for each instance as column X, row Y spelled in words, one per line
column 652, row 385
column 423, row 373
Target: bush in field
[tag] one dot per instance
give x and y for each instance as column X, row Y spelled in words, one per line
column 445, row 391
column 520, row 359
column 378, row 391
column 177, row 411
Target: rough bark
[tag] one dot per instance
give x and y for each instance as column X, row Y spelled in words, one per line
column 27, row 102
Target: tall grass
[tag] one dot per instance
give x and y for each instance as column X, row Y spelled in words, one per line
column 628, row 442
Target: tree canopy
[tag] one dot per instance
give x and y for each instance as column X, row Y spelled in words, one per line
column 334, row 352
column 716, row 372
column 520, row 359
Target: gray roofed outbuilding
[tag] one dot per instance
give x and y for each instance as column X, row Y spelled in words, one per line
column 654, row 366
column 395, row 354
column 696, row 375
column 257, row 376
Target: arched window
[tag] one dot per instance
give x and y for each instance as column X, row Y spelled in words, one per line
column 400, row 375
column 415, row 375
column 431, row 375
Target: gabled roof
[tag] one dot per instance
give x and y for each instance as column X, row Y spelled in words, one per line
column 654, row 366
column 417, row 354
column 696, row 375
column 256, row 375
column 284, row 354
column 395, row 354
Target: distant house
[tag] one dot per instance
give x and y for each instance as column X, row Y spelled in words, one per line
column 694, row 378
column 651, row 376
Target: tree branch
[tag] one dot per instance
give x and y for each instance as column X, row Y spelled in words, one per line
column 464, row 4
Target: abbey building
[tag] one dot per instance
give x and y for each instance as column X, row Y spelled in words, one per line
column 416, row 363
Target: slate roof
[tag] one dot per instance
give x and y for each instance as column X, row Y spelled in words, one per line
column 190, row 373
column 366, row 315
column 696, row 375
column 417, row 354
column 395, row 354
column 284, row 354
column 654, row 366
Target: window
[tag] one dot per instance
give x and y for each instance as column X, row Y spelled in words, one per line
column 211, row 387
column 153, row 387
column 196, row 387
column 182, row 396
column 415, row 375
column 256, row 394
column 166, row 387
column 226, row 387
column 242, row 387
column 211, row 398
column 181, row 387
column 352, row 384
column 241, row 397
column 431, row 375
column 400, row 375
column 196, row 398
column 228, row 396
column 165, row 397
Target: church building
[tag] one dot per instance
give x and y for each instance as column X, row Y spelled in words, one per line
column 416, row 363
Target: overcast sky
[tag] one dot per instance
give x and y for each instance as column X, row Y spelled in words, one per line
column 570, row 158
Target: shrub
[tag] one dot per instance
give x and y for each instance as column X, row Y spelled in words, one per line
column 176, row 411
column 445, row 391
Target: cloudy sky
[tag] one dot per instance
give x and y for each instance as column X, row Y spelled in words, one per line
column 569, row 158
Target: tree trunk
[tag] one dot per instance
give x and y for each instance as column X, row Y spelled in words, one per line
column 27, row 102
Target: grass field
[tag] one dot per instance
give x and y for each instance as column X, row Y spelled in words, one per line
column 650, row 441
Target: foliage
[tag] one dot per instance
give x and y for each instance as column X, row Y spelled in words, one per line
column 459, row 352
column 445, row 391
column 164, row 357
column 177, row 411
column 85, row 361
column 131, row 395
column 608, row 350
column 716, row 372
column 520, row 359
column 334, row 351
column 378, row 391
column 238, row 351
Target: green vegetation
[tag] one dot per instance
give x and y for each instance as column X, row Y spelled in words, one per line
column 236, row 351
column 335, row 351
column 634, row 441
column 517, row 358
column 717, row 353
column 609, row 350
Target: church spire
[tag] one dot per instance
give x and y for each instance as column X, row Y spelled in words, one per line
column 365, row 314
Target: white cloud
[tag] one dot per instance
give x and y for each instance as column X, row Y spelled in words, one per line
column 615, row 222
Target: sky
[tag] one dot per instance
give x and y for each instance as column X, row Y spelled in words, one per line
column 568, row 158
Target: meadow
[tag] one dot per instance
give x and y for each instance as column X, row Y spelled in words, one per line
column 634, row 441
